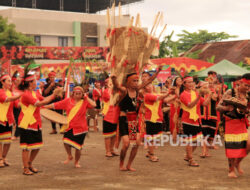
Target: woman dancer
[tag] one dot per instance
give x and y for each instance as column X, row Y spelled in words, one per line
column 236, row 135
column 111, row 113
column 6, row 117
column 154, row 117
column 190, row 104
column 175, row 108
column 209, row 116
column 76, row 108
column 30, row 121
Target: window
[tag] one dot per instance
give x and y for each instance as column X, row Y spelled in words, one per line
column 63, row 41
column 37, row 40
column 91, row 40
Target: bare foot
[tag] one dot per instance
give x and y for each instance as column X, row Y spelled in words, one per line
column 122, row 168
column 77, row 165
column 109, row 154
column 68, row 159
column 131, row 169
column 13, row 138
column 232, row 174
column 240, row 171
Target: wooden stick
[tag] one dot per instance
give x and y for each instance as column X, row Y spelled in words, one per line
column 131, row 22
column 162, row 31
column 156, row 18
column 137, row 20
column 157, row 24
column 108, row 18
column 120, row 14
column 113, row 14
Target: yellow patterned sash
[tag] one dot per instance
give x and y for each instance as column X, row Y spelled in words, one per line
column 105, row 108
column 154, row 108
column 192, row 111
column 72, row 114
column 28, row 114
column 4, row 107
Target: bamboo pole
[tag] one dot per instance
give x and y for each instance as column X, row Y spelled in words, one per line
column 156, row 18
column 120, row 14
column 160, row 20
column 108, row 18
column 137, row 20
column 162, row 31
column 113, row 14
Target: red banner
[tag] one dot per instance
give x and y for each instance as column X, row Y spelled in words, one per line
column 59, row 53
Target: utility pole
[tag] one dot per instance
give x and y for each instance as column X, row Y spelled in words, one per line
column 61, row 5
column 33, row 4
column 13, row 3
column 87, row 6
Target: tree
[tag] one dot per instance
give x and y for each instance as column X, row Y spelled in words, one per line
column 187, row 39
column 10, row 37
column 168, row 48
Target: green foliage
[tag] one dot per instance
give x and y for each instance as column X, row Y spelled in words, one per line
column 187, row 39
column 211, row 59
column 170, row 48
column 244, row 65
column 194, row 55
column 10, row 37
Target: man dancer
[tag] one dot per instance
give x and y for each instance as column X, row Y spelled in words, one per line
column 128, row 127
column 48, row 90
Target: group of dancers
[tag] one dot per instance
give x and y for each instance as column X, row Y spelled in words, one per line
column 133, row 111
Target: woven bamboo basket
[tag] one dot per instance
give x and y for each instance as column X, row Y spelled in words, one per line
column 131, row 47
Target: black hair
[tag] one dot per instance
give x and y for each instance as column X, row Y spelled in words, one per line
column 24, row 84
column 211, row 72
column 1, row 83
column 146, row 72
column 220, row 78
column 129, row 75
column 246, row 76
column 15, row 74
column 196, row 79
column 174, row 81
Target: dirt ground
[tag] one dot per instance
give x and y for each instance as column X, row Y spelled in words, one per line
column 99, row 172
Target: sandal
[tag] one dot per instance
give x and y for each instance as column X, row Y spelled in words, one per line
column 5, row 162
column 192, row 163
column 203, row 155
column 109, row 155
column 153, row 158
column 26, row 171
column 186, row 158
column 114, row 154
column 34, row 170
column 148, row 154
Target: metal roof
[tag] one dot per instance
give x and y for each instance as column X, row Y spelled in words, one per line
column 86, row 6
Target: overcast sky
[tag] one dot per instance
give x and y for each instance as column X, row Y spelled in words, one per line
column 231, row 16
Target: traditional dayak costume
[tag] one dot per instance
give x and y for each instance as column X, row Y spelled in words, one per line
column 191, row 116
column 153, row 116
column 110, row 115
column 236, row 134
column 6, row 116
column 209, row 118
column 30, row 120
column 77, row 127
column 128, row 124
